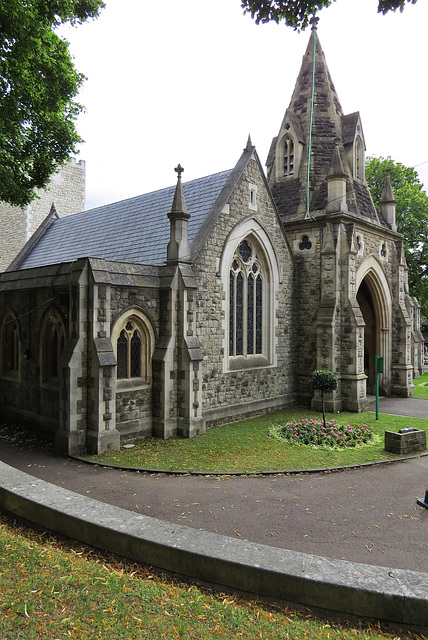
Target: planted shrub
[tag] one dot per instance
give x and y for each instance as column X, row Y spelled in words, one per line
column 326, row 382
column 316, row 433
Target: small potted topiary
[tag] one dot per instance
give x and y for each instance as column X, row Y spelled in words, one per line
column 325, row 382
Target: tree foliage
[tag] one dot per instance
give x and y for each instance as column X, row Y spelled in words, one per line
column 297, row 13
column 411, row 217
column 38, row 84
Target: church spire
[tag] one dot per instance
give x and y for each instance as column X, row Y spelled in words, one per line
column 303, row 153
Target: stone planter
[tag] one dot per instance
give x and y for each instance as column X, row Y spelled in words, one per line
column 405, row 441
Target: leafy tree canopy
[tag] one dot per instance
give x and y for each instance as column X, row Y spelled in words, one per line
column 296, row 13
column 411, row 216
column 38, row 84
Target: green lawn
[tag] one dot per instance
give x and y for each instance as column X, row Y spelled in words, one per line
column 421, row 386
column 51, row 589
column 245, row 446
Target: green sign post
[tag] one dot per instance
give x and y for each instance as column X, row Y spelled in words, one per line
column 378, row 369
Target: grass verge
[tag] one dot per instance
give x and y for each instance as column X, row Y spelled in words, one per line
column 421, row 386
column 245, row 446
column 55, row 589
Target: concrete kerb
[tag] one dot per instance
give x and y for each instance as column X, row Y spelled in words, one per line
column 193, row 472
column 334, row 587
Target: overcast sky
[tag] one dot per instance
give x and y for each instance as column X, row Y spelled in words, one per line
column 187, row 81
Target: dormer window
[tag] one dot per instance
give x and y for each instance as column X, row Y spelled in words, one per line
column 288, row 156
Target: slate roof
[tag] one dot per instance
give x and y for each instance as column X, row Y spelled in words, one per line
column 134, row 230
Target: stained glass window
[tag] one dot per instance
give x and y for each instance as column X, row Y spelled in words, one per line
column 135, row 365
column 245, row 302
column 122, row 355
column 129, row 352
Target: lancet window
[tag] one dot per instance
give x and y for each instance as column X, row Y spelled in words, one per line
column 10, row 347
column 52, row 345
column 133, row 340
column 246, row 302
column 288, row 156
column 359, row 159
column 129, row 352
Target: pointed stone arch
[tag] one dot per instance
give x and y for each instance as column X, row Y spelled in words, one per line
column 252, row 232
column 375, row 300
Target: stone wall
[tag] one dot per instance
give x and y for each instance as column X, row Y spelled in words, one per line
column 66, row 190
column 27, row 397
column 226, row 394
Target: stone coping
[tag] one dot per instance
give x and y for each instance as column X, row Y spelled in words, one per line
column 331, row 587
column 194, row 472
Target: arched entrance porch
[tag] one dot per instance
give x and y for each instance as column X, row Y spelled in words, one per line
column 375, row 302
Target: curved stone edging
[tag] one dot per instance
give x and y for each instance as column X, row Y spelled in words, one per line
column 336, row 587
column 191, row 472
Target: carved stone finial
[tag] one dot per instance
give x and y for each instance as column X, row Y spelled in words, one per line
column 314, row 22
column 179, row 170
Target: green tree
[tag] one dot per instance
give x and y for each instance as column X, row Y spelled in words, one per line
column 325, row 382
column 411, row 216
column 38, row 84
column 296, row 13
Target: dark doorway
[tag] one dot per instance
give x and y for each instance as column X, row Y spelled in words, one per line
column 365, row 301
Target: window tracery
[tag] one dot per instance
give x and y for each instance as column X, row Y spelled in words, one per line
column 246, row 302
column 133, row 341
column 129, row 352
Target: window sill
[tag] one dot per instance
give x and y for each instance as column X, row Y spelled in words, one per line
column 238, row 363
column 131, row 384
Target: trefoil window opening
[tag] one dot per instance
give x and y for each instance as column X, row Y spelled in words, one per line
column 305, row 244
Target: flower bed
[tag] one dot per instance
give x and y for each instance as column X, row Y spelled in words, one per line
column 314, row 433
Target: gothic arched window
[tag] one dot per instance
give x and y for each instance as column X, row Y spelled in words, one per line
column 52, row 345
column 10, row 348
column 130, row 352
column 245, row 302
column 133, row 340
column 288, row 156
column 359, row 159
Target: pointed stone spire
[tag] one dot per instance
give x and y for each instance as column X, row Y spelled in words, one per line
column 336, row 183
column 387, row 202
column 178, row 249
column 326, row 99
column 249, row 146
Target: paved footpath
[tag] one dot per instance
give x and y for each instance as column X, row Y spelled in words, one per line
column 368, row 514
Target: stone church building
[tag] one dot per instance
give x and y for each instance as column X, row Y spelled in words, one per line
column 215, row 299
